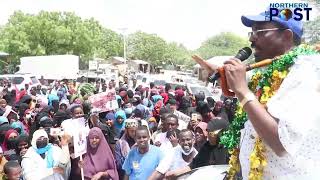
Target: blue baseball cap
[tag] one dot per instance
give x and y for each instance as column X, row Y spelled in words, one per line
column 295, row 26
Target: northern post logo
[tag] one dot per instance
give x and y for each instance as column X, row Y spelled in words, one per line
column 287, row 11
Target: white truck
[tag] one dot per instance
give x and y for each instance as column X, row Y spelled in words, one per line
column 55, row 67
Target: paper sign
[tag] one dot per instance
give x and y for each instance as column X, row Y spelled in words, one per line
column 71, row 125
column 79, row 130
column 102, row 102
column 80, row 142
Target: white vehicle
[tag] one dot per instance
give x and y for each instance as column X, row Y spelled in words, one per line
column 19, row 80
column 56, row 67
column 196, row 88
column 213, row 172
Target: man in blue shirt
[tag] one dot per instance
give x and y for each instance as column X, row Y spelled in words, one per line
column 143, row 159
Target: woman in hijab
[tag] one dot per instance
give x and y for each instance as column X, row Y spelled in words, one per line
column 98, row 162
column 43, row 159
column 3, row 129
column 22, row 145
column 9, row 140
column 185, row 105
column 179, row 93
column 18, row 126
column 201, row 135
column 158, row 104
column 211, row 102
column 119, row 124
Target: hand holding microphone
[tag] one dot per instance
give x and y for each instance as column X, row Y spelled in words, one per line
column 242, row 55
column 232, row 67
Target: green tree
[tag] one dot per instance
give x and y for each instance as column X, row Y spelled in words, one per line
column 177, row 54
column 111, row 44
column 149, row 47
column 50, row 33
column 223, row 44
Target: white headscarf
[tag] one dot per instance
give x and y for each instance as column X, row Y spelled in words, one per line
column 36, row 135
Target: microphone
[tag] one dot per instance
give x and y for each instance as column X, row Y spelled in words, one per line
column 242, row 55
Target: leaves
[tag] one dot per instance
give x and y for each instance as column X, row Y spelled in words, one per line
column 50, row 33
column 223, row 44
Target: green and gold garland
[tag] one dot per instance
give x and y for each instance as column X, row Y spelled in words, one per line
column 264, row 84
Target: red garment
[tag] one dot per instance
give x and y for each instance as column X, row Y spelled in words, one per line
column 179, row 94
column 6, row 138
column 165, row 97
column 157, row 107
column 20, row 94
column 124, row 96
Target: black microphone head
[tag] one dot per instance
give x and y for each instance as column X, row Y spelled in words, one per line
column 244, row 53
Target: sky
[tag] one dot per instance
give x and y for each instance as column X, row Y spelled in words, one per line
column 189, row 22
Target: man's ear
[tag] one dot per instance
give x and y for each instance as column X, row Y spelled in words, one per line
column 288, row 34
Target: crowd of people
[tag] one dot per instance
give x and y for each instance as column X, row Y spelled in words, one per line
column 155, row 133
column 161, row 132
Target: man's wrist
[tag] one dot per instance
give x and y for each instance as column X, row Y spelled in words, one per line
column 242, row 93
column 245, row 98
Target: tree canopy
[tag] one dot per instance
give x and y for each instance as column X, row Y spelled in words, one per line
column 52, row 33
column 223, row 44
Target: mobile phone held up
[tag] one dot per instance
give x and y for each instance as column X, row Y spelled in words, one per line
column 56, row 132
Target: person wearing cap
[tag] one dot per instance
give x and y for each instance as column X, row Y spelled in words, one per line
column 124, row 144
column 211, row 153
column 183, row 119
column 205, row 111
column 277, row 122
column 201, row 135
column 196, row 118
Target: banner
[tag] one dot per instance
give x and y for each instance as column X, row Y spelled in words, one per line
column 102, row 102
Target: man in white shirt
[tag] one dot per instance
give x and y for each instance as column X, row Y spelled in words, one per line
column 183, row 119
column 289, row 132
column 161, row 139
column 178, row 157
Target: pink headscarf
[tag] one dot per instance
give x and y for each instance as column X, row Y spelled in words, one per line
column 6, row 138
column 99, row 159
column 203, row 126
column 179, row 94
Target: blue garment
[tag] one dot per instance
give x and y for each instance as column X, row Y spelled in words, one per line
column 117, row 126
column 140, row 166
column 145, row 111
column 110, row 115
column 49, row 156
column 148, row 103
column 3, row 120
column 156, row 98
column 52, row 97
column 18, row 125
